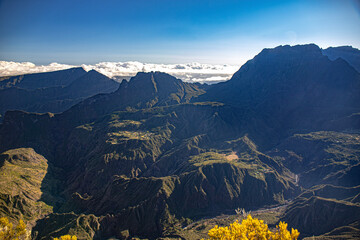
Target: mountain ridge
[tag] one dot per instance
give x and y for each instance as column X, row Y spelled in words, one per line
column 348, row 53
column 53, row 91
column 33, row 81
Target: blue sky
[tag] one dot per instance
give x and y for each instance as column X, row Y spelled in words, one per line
column 215, row 32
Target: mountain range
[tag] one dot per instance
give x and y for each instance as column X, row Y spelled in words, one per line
column 154, row 157
column 52, row 91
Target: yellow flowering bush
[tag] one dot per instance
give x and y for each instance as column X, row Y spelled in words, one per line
column 9, row 232
column 252, row 229
column 66, row 237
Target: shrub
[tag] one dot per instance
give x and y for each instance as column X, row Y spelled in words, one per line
column 252, row 229
column 9, row 232
column 66, row 237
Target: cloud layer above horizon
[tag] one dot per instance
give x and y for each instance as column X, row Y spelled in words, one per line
column 190, row 72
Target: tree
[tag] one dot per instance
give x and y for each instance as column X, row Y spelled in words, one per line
column 9, row 232
column 252, row 229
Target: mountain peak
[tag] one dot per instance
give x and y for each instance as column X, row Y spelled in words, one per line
column 287, row 51
column 145, row 90
column 44, row 79
column 348, row 48
column 154, row 82
column 152, row 74
column 93, row 72
column 76, row 69
column 348, row 53
column 278, row 81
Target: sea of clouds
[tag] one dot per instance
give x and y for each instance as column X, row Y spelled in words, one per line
column 190, row 72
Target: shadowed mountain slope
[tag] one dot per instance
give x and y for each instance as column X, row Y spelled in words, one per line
column 145, row 90
column 316, row 215
column 294, row 89
column 52, row 92
column 322, row 157
column 42, row 80
column 348, row 53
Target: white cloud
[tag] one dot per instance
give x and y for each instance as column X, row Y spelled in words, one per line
column 17, row 68
column 192, row 72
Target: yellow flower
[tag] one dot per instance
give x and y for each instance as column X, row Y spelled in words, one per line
column 252, row 229
column 66, row 237
column 9, row 232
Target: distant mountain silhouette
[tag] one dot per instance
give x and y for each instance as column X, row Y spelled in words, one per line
column 348, row 53
column 34, row 81
column 52, row 91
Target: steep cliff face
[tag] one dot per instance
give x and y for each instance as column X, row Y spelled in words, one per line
column 292, row 89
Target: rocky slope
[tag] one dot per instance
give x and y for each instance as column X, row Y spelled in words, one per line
column 22, row 173
column 319, row 216
column 326, row 165
column 322, row 157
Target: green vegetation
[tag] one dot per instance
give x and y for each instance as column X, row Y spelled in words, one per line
column 154, row 168
column 21, row 175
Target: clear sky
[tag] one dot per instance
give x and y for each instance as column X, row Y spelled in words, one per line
column 169, row 31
